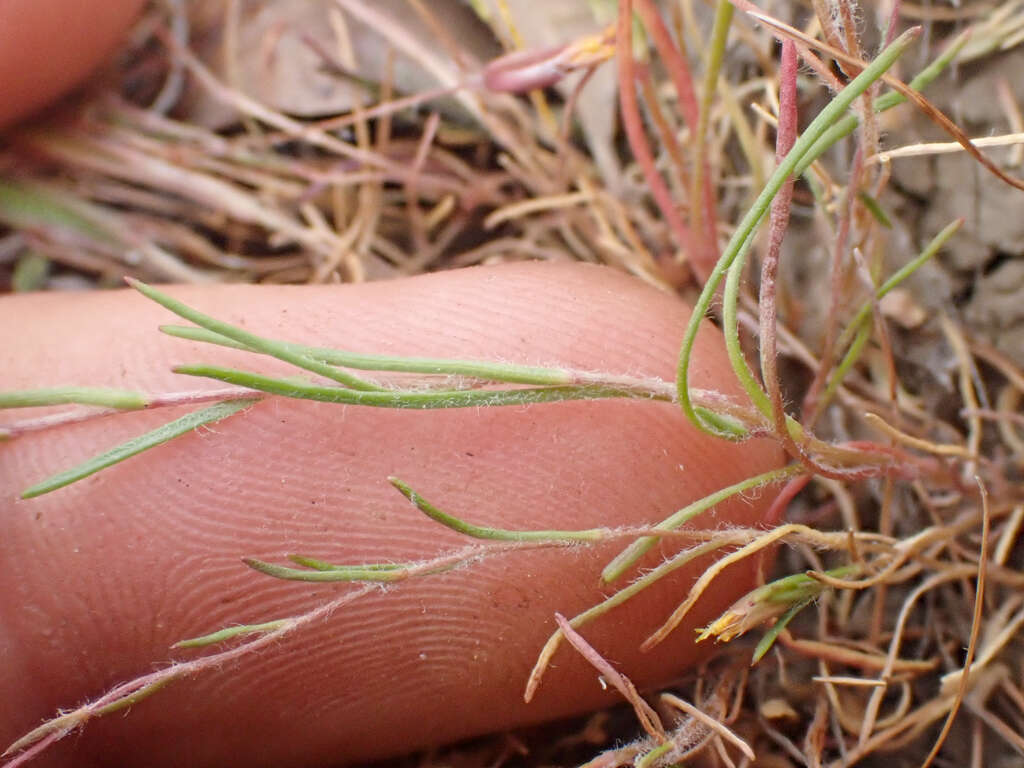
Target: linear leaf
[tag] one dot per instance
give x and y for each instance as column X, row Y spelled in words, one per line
column 137, row 445
column 111, row 398
column 477, row 369
column 249, row 340
column 397, row 398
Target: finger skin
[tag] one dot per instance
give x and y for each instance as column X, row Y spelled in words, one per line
column 49, row 46
column 97, row 580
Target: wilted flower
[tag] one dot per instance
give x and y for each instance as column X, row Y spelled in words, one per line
column 761, row 605
column 526, row 70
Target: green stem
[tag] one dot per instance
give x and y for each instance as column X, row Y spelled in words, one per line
column 743, row 236
column 477, row 369
column 250, row 340
column 733, row 348
column 430, row 399
column 860, row 328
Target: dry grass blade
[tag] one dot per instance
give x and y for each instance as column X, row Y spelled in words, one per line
column 972, row 644
column 922, row 103
column 648, row 718
column 719, row 728
column 632, row 123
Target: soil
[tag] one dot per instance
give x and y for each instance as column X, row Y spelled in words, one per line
column 981, row 272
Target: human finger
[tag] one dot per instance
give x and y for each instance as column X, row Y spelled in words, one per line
column 102, row 577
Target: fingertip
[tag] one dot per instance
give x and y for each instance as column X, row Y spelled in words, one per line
column 47, row 47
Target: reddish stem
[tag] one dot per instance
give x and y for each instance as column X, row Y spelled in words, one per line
column 676, row 64
column 679, row 70
column 778, row 222
column 894, row 18
column 638, row 144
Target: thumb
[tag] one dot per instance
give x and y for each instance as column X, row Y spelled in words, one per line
column 99, row 579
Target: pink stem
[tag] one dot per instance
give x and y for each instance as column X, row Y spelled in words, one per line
column 638, row 143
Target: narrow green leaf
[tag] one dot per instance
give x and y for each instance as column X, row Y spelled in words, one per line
column 455, row 398
column 191, row 333
column 137, row 445
column 321, row 565
column 373, row 572
column 627, row 557
column 310, row 562
column 250, row 340
column 230, row 632
column 875, row 209
column 858, row 332
column 743, row 236
column 768, row 639
column 497, row 534
column 476, row 369
column 110, row 398
column 70, row 721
